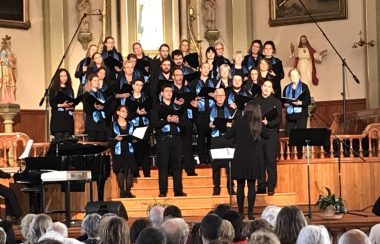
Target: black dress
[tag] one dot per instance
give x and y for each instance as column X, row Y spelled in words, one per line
column 248, row 152
column 62, row 121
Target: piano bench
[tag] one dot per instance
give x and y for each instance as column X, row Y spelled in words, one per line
column 34, row 193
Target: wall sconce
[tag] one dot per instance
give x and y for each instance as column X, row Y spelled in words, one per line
column 361, row 42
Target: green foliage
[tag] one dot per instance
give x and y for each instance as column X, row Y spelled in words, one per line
column 331, row 200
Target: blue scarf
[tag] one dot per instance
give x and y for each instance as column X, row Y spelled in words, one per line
column 213, row 114
column 289, row 94
column 144, row 118
column 202, row 101
column 97, row 115
column 116, row 130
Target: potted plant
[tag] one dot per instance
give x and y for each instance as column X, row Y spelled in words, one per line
column 331, row 204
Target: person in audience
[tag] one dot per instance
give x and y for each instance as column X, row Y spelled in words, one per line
column 25, row 225
column 151, row 235
column 82, row 67
column 255, row 225
column 176, row 231
column 61, row 121
column 49, row 241
column 251, row 60
column 354, row 236
column 270, row 213
column 172, row 211
column 60, row 228
column 52, row 235
column 269, row 50
column 313, row 234
column 290, row 221
column 221, row 209
column 137, row 226
column 113, row 225
column 264, row 237
column 195, row 236
column 374, row 234
column 210, row 228
column 109, row 51
column 89, row 227
column 38, row 227
column 219, row 58
column 228, row 232
column 3, row 236
column 156, row 215
column 237, row 222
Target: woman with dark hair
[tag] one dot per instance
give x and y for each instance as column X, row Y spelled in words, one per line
column 62, row 121
column 237, row 222
column 254, row 54
column 96, row 63
column 254, row 82
column 210, row 59
column 190, row 59
column 110, row 53
column 290, row 221
column 248, row 153
column 81, row 69
column 142, row 62
column 269, row 49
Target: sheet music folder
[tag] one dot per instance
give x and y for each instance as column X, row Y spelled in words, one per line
column 222, row 153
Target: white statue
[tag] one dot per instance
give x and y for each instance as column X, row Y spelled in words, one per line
column 209, row 14
column 7, row 72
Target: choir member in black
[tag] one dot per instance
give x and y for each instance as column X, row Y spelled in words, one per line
column 254, row 82
column 62, row 121
column 267, row 102
column 269, row 49
column 186, row 122
column 224, row 80
column 163, row 54
column 234, row 91
column 177, row 58
column 219, row 58
column 168, row 144
column 124, row 82
column 266, row 71
column 136, row 72
column 190, row 59
column 210, row 59
column 140, row 118
column 297, row 110
column 109, row 50
column 202, row 116
column 254, row 55
column 246, row 133
column 218, row 139
column 237, row 68
column 81, row 69
column 143, row 62
column 95, row 113
column 164, row 77
column 96, row 63
column 123, row 161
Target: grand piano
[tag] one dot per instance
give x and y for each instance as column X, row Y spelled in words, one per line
column 67, row 155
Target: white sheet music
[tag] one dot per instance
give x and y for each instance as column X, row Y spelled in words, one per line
column 139, row 132
column 28, row 147
column 222, row 153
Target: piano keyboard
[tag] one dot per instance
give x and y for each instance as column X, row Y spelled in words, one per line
column 66, row 176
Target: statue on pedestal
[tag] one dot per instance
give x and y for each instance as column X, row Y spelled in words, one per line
column 7, row 72
column 84, row 36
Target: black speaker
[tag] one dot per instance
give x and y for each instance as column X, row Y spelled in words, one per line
column 102, row 208
column 376, row 207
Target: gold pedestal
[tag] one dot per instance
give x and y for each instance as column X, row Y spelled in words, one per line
column 8, row 112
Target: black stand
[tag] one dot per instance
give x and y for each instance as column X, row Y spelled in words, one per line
column 344, row 65
column 309, row 137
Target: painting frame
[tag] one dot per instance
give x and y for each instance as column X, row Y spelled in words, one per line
column 21, row 21
column 291, row 12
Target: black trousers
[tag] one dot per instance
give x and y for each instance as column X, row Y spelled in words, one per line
column 268, row 167
column 203, row 140
column 97, row 135
column 169, row 155
column 251, row 195
column 141, row 152
column 12, row 208
column 187, row 146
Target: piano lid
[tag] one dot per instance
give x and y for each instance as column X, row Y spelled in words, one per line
column 69, row 148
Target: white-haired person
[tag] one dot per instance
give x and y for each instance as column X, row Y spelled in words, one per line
column 270, row 213
column 313, row 234
column 90, row 228
column 156, row 215
column 57, row 231
column 264, row 237
column 374, row 234
column 38, row 227
column 354, row 236
column 176, row 231
column 25, row 225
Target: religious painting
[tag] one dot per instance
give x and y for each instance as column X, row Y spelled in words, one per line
column 290, row 12
column 14, row 14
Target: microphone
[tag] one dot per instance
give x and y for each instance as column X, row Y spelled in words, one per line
column 282, row 3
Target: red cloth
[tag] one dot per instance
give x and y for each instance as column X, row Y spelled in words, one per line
column 314, row 70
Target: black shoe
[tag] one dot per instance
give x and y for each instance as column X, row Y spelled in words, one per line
column 192, row 174
column 130, row 195
column 270, row 192
column 216, row 192
column 261, row 191
column 181, row 194
column 123, row 194
column 162, row 195
column 232, row 193
column 251, row 216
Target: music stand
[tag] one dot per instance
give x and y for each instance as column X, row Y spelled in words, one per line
column 309, row 137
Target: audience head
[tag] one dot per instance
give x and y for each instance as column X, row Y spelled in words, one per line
column 138, row 226
column 257, row 224
column 38, row 227
column 176, row 231
column 354, row 236
column 49, row 241
column 210, row 228
column 60, row 228
column 270, row 214
column 115, row 230
column 264, row 237
column 222, row 209
column 151, row 235
column 195, row 234
column 3, row 236
column 290, row 221
column 374, row 235
column 71, row 241
column 172, row 211
column 228, row 232
column 237, row 222
column 25, row 224
column 156, row 215
column 90, row 225
column 313, row 234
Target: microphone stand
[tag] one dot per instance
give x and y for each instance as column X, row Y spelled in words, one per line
column 45, row 97
column 344, row 65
